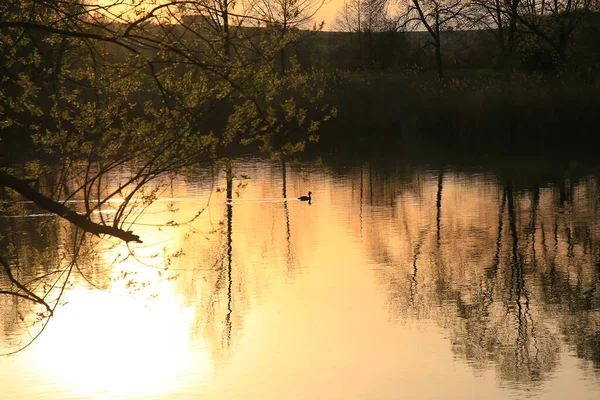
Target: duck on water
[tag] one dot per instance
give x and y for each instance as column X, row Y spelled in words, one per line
column 305, row 198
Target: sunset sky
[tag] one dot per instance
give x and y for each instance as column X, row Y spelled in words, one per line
column 328, row 13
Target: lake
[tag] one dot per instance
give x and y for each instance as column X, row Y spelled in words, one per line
column 397, row 281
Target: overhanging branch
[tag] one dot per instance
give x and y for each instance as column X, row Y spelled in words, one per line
column 81, row 221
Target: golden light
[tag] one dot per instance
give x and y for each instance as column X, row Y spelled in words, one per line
column 133, row 339
column 114, row 345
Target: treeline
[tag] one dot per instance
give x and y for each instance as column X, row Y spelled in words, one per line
column 491, row 78
column 263, row 77
column 522, row 36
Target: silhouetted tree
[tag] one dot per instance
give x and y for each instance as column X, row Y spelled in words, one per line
column 435, row 16
column 366, row 19
column 286, row 17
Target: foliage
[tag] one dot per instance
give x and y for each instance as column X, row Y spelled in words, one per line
column 143, row 89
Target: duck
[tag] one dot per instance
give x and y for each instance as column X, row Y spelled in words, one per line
column 305, row 198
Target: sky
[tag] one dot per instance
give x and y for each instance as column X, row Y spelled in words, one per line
column 328, row 13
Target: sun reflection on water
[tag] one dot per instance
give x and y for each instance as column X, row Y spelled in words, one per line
column 113, row 345
column 133, row 338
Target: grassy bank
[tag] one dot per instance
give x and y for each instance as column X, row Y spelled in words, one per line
column 480, row 111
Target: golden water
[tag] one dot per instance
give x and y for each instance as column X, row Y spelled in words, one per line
column 394, row 283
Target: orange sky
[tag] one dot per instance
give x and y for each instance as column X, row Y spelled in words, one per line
column 328, row 13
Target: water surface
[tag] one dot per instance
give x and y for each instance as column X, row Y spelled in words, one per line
column 396, row 281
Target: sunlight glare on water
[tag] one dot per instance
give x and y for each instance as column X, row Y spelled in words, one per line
column 106, row 343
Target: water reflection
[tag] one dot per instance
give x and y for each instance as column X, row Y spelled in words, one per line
column 504, row 270
column 396, row 274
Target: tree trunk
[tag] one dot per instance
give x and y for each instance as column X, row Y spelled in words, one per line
column 438, row 58
column 225, row 16
column 438, row 50
column 512, row 28
column 501, row 46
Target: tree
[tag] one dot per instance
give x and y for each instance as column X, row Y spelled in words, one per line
column 490, row 15
column 285, row 17
column 529, row 26
column 553, row 21
column 365, row 18
column 150, row 90
column 435, row 16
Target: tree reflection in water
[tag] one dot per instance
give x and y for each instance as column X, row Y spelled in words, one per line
column 508, row 268
column 511, row 269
